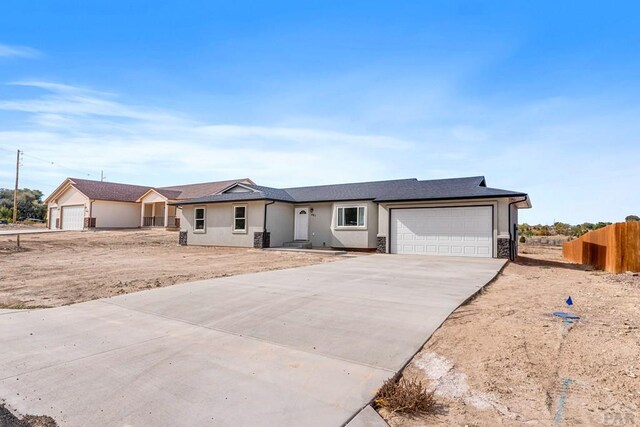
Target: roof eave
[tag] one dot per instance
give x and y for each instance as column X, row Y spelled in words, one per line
column 423, row 199
column 207, row 202
column 68, row 182
column 358, row 199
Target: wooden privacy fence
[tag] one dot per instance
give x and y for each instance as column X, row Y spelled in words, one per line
column 614, row 248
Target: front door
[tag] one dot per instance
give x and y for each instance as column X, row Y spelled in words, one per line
column 302, row 224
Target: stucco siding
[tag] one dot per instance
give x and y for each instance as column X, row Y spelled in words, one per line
column 219, row 223
column 320, row 224
column 153, row 197
column 109, row 214
column 514, row 224
column 357, row 238
column 280, row 223
column 72, row 197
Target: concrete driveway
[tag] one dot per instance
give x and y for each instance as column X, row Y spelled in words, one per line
column 306, row 346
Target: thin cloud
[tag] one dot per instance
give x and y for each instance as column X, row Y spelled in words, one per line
column 18, row 51
column 87, row 131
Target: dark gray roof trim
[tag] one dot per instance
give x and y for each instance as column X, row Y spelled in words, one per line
column 377, row 191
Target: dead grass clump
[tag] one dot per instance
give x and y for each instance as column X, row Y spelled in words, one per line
column 7, row 419
column 408, row 397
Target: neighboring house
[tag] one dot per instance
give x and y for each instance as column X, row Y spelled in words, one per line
column 457, row 217
column 79, row 204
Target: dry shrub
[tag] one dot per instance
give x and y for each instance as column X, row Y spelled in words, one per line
column 408, row 397
column 8, row 419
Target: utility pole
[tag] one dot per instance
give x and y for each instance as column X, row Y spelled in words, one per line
column 102, row 177
column 15, row 193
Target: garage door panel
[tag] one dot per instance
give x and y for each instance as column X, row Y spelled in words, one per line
column 73, row 217
column 483, row 251
column 463, row 231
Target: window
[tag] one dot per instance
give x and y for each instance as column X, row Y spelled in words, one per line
column 199, row 220
column 352, row 216
column 240, row 219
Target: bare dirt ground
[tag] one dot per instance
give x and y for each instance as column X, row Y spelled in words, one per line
column 504, row 359
column 23, row 226
column 64, row 268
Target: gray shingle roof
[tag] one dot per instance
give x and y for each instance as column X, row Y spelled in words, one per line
column 378, row 191
column 353, row 191
column 439, row 189
column 259, row 193
column 190, row 191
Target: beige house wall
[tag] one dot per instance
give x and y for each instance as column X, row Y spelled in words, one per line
column 219, row 224
column 360, row 238
column 110, row 214
column 70, row 197
column 280, row 223
column 323, row 230
column 153, row 197
column 320, row 224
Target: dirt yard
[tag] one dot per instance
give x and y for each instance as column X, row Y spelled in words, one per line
column 63, row 268
column 504, row 359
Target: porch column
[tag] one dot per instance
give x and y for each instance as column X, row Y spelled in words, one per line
column 142, row 214
column 166, row 214
column 153, row 214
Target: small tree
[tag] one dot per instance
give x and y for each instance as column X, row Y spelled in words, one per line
column 6, row 213
column 29, row 204
column 632, row 218
column 601, row 225
column 562, row 228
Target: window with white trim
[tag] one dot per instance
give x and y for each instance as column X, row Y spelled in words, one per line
column 199, row 220
column 240, row 219
column 351, row 216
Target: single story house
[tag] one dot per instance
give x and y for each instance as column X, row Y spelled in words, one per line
column 456, row 217
column 78, row 204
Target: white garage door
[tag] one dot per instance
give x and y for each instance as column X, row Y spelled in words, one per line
column 464, row 231
column 73, row 217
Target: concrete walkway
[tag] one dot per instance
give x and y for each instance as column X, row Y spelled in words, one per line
column 28, row 231
column 306, row 346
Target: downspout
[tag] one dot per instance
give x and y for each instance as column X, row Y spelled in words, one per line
column 512, row 255
column 90, row 213
column 264, row 228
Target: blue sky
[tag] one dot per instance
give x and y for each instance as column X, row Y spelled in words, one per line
column 540, row 97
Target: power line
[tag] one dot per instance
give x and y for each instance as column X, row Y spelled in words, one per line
column 56, row 164
column 8, row 151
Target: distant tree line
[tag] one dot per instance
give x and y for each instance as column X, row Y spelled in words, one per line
column 30, row 206
column 564, row 229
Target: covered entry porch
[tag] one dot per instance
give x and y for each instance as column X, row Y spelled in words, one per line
column 155, row 211
column 159, row 214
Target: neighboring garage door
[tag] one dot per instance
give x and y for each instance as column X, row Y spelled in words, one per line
column 462, row 231
column 73, row 217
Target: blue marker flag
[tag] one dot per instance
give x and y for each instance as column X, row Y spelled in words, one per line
column 569, row 301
